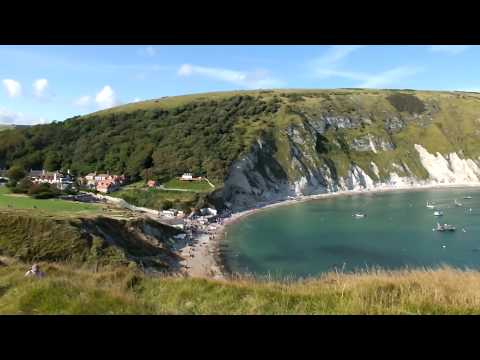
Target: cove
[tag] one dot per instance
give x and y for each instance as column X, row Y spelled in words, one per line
column 310, row 238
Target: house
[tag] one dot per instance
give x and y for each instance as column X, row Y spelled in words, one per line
column 104, row 182
column 60, row 180
column 90, row 177
column 189, row 177
column 151, row 183
column 101, row 177
column 107, row 186
column 186, row 177
column 170, row 213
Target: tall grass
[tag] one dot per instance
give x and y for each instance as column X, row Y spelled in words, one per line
column 69, row 290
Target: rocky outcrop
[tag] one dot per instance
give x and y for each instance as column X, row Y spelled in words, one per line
column 259, row 177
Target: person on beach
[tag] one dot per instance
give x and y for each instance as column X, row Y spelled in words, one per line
column 35, row 271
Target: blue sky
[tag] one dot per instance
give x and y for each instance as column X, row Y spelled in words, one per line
column 39, row 84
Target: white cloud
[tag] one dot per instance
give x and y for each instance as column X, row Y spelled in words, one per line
column 150, row 51
column 147, row 51
column 39, row 87
column 336, row 53
column 13, row 87
column 389, row 77
column 136, row 100
column 328, row 65
column 106, row 98
column 449, row 49
column 18, row 118
column 83, row 101
column 252, row 80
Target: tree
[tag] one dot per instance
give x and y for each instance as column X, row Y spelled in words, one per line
column 16, row 173
column 52, row 162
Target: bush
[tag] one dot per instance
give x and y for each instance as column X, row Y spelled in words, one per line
column 23, row 186
column 166, row 204
column 43, row 191
column 407, row 103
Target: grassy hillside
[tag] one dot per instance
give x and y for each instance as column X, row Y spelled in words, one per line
column 86, row 241
column 70, row 290
column 206, row 133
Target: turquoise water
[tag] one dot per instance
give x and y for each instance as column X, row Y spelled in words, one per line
column 307, row 239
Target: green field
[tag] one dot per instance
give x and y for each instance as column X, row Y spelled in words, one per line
column 49, row 206
column 196, row 186
column 155, row 198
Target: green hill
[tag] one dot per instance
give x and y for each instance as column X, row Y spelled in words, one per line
column 284, row 141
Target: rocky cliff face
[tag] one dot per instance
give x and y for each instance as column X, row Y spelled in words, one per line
column 315, row 153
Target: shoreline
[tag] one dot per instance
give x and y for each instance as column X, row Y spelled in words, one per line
column 214, row 257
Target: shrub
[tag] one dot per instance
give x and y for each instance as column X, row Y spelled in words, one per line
column 406, row 103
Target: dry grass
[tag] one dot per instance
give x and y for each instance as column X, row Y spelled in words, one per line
column 69, row 290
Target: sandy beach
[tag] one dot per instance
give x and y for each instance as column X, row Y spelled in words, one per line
column 203, row 257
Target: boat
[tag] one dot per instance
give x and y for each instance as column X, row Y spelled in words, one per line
column 359, row 215
column 467, row 197
column 438, row 213
column 457, row 203
column 430, row 205
column 445, row 227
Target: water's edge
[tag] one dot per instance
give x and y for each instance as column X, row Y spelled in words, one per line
column 221, row 238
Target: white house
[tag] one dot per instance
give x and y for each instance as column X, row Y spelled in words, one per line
column 170, row 213
column 187, row 176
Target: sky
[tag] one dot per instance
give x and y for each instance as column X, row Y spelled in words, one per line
column 40, row 84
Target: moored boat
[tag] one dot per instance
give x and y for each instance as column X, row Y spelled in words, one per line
column 467, row 197
column 430, row 205
column 438, row 213
column 445, row 227
column 359, row 215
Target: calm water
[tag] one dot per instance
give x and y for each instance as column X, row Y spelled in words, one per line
column 309, row 238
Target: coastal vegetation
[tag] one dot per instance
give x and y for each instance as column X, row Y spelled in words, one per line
column 327, row 131
column 69, row 289
column 161, row 199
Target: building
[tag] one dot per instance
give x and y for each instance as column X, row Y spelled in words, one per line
column 170, row 213
column 107, row 186
column 186, row 177
column 189, row 177
column 151, row 183
column 103, row 182
column 56, row 178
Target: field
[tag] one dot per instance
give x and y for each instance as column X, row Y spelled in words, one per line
column 10, row 201
column 156, row 198
column 72, row 290
column 196, row 186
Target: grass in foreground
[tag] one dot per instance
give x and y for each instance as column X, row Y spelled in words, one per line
column 9, row 201
column 69, row 290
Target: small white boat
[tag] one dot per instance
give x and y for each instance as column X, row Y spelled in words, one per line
column 359, row 215
column 467, row 197
column 445, row 227
column 438, row 213
column 457, row 203
column 430, row 205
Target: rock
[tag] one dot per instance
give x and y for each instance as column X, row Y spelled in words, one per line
column 394, row 124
